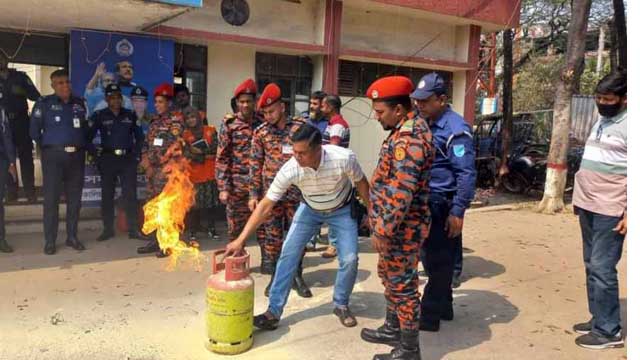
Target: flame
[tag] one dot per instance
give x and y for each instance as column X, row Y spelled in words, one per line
column 165, row 213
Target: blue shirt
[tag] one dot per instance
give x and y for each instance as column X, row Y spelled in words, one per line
column 453, row 169
column 319, row 124
column 54, row 122
column 116, row 131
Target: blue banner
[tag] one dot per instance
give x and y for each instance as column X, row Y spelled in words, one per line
column 137, row 63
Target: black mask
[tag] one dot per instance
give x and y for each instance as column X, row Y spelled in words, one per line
column 609, row 110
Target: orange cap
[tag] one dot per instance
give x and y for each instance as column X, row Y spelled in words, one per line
column 270, row 95
column 390, row 86
column 246, row 87
column 164, row 89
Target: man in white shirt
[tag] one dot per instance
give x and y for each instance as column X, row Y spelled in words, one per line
column 326, row 176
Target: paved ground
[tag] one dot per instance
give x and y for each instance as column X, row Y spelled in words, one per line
column 524, row 289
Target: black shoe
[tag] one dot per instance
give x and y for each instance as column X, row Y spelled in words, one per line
column 430, row 324
column 74, row 243
column 388, row 333
column 301, row 287
column 407, row 349
column 106, row 235
column 212, row 234
column 456, row 282
column 137, row 235
column 150, row 247
column 263, row 322
column 4, row 247
column 582, row 328
column 50, row 248
column 598, row 342
column 163, row 253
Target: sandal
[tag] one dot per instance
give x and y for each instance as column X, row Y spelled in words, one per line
column 346, row 317
column 263, row 322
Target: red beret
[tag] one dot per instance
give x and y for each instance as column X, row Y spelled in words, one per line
column 164, row 89
column 390, row 86
column 246, row 87
column 270, row 95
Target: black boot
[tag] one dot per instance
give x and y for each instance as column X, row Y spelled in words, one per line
column 388, row 333
column 4, row 247
column 74, row 243
column 106, row 234
column 407, row 349
column 299, row 285
column 268, row 266
column 136, row 234
column 150, row 247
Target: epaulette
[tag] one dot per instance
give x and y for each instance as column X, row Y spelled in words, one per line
column 407, row 127
column 299, row 119
column 228, row 118
column 261, row 126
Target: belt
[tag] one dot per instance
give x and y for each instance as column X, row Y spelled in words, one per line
column 447, row 195
column 117, row 152
column 346, row 203
column 65, row 148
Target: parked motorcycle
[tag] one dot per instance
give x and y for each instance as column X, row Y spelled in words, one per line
column 528, row 167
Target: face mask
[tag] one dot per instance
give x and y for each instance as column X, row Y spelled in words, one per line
column 609, row 110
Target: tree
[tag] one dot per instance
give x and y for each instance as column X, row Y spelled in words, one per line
column 553, row 199
column 621, row 33
column 507, row 104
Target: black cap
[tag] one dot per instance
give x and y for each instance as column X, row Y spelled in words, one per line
column 139, row 92
column 111, row 89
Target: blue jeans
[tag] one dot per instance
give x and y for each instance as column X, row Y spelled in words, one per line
column 306, row 223
column 332, row 238
column 602, row 249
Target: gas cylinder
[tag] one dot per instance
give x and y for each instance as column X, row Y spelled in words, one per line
column 230, row 305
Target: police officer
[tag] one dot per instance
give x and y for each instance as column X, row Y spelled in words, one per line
column 59, row 127
column 399, row 214
column 7, row 166
column 452, row 184
column 15, row 89
column 121, row 143
column 140, row 101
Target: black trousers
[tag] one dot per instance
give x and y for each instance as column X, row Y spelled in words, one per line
column 437, row 257
column 61, row 171
column 113, row 167
column 24, row 151
column 4, row 176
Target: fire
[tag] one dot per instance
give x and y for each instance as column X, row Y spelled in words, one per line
column 165, row 213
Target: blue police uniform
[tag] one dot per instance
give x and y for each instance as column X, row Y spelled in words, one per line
column 60, row 128
column 7, row 157
column 452, row 188
column 121, row 145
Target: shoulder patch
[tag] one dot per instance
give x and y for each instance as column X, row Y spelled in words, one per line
column 228, row 118
column 458, row 150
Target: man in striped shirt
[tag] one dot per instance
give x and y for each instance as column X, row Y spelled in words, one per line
column 326, row 176
column 600, row 201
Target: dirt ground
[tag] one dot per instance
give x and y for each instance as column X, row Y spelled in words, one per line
column 523, row 289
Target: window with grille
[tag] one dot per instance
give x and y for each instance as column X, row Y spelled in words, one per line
column 293, row 74
column 191, row 71
column 355, row 77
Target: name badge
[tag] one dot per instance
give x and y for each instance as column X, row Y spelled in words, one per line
column 76, row 123
column 158, row 142
column 57, row 118
column 287, row 149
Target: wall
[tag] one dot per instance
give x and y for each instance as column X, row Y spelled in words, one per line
column 277, row 20
column 228, row 65
column 459, row 91
column 391, row 33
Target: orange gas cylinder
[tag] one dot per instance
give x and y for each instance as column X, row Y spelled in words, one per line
column 230, row 305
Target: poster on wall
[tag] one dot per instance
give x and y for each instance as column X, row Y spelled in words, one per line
column 137, row 63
